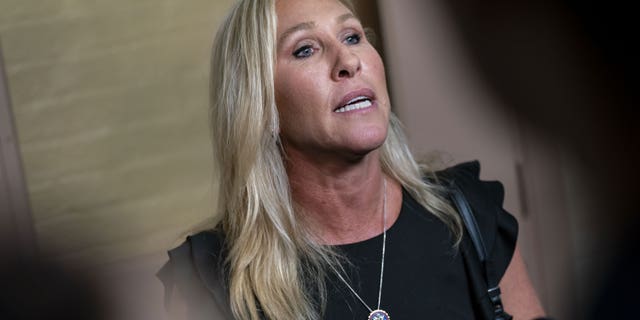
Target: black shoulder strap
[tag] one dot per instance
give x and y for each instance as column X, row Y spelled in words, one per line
column 471, row 226
column 469, row 221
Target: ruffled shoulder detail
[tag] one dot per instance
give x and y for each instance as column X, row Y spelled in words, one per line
column 498, row 227
column 196, row 269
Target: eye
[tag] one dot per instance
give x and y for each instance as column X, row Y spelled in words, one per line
column 303, row 52
column 353, row 39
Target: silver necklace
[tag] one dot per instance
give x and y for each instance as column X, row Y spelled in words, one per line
column 377, row 314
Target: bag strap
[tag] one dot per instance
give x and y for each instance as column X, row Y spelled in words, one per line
column 469, row 220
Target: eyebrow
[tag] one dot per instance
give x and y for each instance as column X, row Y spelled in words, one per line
column 296, row 28
column 345, row 17
column 310, row 25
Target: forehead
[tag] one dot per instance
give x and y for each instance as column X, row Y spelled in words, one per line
column 292, row 12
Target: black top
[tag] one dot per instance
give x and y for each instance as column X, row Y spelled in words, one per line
column 423, row 273
column 424, row 277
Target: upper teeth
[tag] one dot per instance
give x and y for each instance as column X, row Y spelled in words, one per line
column 355, row 103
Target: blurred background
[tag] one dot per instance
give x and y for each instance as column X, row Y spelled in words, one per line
column 105, row 157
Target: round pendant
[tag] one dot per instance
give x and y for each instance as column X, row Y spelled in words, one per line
column 379, row 315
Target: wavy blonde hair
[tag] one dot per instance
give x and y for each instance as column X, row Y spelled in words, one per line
column 275, row 266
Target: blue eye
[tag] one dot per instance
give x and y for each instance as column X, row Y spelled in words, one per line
column 303, row 52
column 352, row 39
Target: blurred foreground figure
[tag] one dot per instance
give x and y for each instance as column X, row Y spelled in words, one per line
column 569, row 70
column 38, row 289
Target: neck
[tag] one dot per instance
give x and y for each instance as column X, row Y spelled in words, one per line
column 342, row 201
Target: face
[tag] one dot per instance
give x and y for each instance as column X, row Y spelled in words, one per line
column 330, row 84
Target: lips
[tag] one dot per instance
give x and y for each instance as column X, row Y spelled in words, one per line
column 358, row 99
column 359, row 103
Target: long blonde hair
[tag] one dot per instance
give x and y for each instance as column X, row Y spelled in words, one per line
column 271, row 256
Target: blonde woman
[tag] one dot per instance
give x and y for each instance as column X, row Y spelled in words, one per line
column 325, row 213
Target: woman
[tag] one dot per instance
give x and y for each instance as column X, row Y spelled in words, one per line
column 315, row 175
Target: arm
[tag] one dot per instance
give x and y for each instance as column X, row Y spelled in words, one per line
column 518, row 295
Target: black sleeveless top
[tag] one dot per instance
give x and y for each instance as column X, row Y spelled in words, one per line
column 423, row 273
column 424, row 276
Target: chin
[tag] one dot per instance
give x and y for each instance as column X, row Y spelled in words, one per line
column 369, row 142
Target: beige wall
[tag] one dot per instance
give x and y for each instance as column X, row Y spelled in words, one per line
column 110, row 103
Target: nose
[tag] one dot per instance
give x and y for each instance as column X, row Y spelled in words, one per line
column 347, row 64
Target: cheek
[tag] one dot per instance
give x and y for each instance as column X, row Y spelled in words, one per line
column 290, row 91
column 285, row 92
column 288, row 97
column 297, row 90
column 377, row 67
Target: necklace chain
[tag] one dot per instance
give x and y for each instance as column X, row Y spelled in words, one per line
column 384, row 245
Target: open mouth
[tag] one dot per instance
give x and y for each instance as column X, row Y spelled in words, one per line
column 360, row 102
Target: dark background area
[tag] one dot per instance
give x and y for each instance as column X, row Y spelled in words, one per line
column 568, row 69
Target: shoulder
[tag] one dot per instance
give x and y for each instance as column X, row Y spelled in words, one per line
column 196, row 270
column 467, row 176
column 498, row 227
column 203, row 245
column 199, row 258
column 485, row 197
